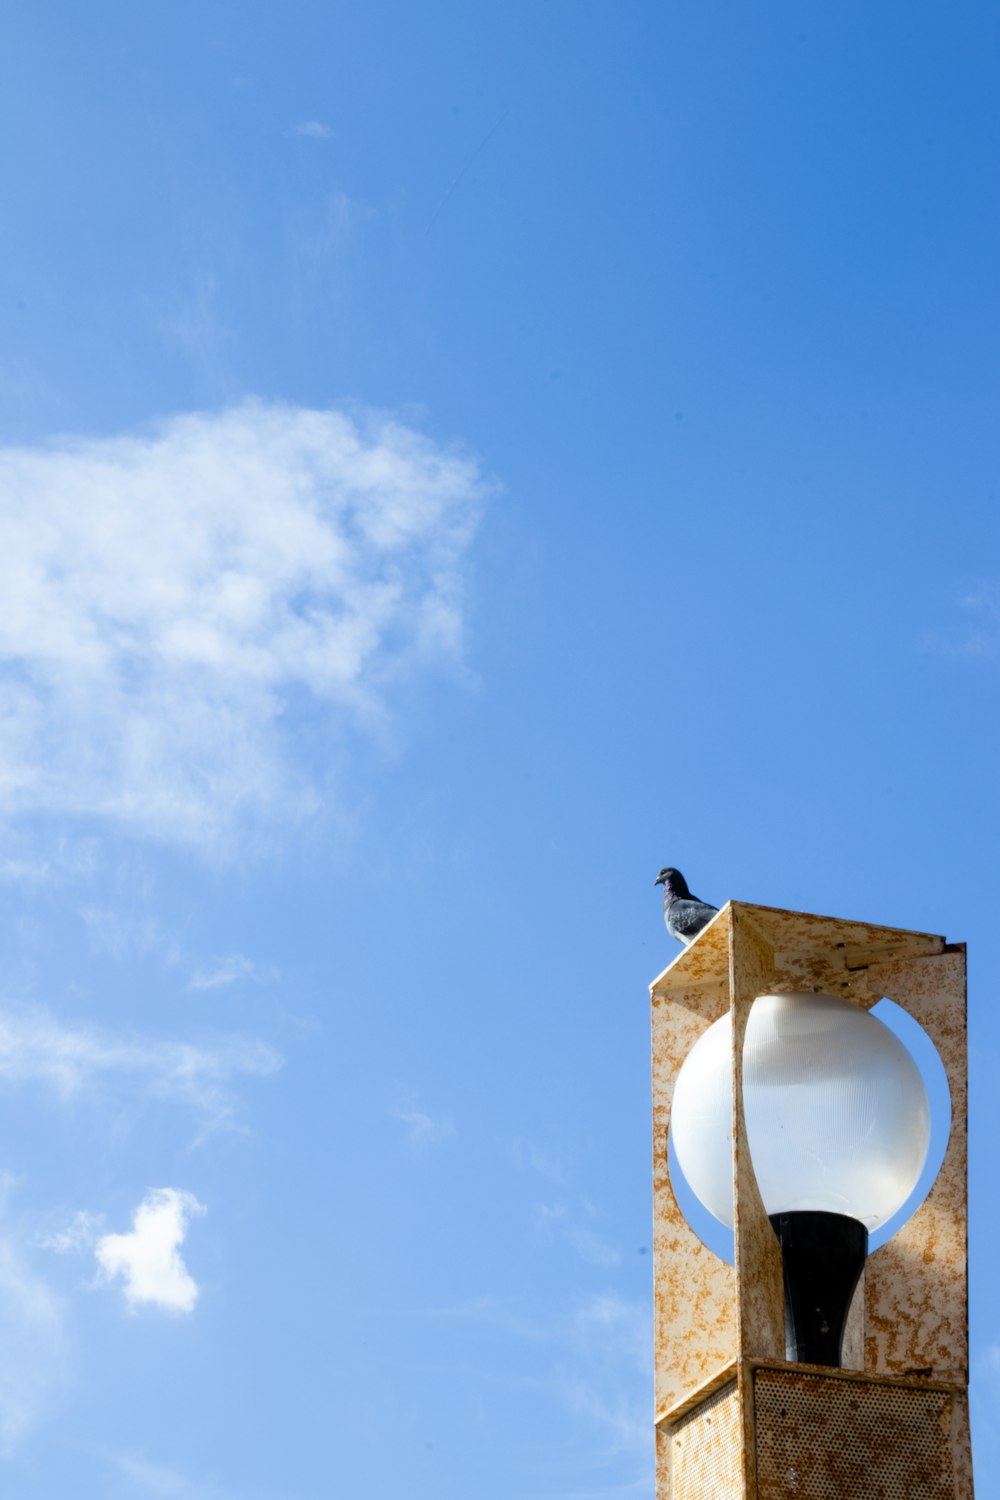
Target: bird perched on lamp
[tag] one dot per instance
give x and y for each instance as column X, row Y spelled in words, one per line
column 683, row 913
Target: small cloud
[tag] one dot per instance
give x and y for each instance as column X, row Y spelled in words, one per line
column 555, row 1219
column 982, row 612
column 23, row 864
column 123, row 935
column 595, row 1360
column 539, row 1159
column 159, row 1480
column 421, row 1129
column 606, row 1382
column 25, row 872
column 37, row 1048
column 80, row 1234
column 313, row 130
column 191, row 321
column 228, row 970
column 975, row 631
column 489, row 1310
column 32, row 1347
column 617, row 1328
column 590, row 1247
column 148, row 1259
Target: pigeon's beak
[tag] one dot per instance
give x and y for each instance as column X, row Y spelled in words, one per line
column 660, row 880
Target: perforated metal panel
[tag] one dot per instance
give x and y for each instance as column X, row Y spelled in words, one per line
column 820, row 1438
column 705, row 1450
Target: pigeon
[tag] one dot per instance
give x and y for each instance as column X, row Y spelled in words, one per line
column 683, row 913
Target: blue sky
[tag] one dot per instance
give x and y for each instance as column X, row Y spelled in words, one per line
column 455, row 460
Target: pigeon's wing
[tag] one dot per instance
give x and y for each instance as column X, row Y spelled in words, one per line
column 685, row 919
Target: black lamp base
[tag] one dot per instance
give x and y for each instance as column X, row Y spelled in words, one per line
column 823, row 1256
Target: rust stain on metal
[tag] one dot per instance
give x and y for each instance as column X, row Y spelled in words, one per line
column 961, row 1447
column 916, row 1287
column 908, row 1328
column 704, row 1449
column 758, row 1257
column 694, row 1313
column 825, row 1438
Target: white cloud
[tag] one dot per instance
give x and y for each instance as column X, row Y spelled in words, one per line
column 32, row 1347
column 180, row 606
column 422, row 1129
column 608, row 1326
column 487, row 1309
column 35, row 1047
column 973, row 629
column 546, row 1163
column 228, row 970
column 126, row 934
column 158, row 1480
column 79, row 1234
column 22, row 864
column 595, row 1362
column 148, row 1259
column 314, row 129
column 558, row 1219
column 984, row 1395
column 981, row 636
column 605, row 1385
column 190, row 320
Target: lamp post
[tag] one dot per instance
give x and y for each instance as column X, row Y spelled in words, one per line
column 806, row 1370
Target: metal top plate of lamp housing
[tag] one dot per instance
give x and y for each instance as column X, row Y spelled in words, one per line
column 726, row 1396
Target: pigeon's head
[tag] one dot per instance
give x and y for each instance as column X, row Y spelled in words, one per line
column 673, row 882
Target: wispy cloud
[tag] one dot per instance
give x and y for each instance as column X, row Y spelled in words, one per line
column 981, row 636
column 314, row 130
column 33, row 1354
column 540, row 1159
column 127, row 934
column 558, row 1219
column 568, row 1220
column 67, row 861
column 161, row 1482
column 179, row 605
column 148, row 1258
column 422, row 1129
column 593, row 1361
column 325, row 244
column 228, row 970
column 37, row 1048
column 487, row 1309
column 974, row 631
column 80, row 1234
column 190, row 319
column 984, row 1395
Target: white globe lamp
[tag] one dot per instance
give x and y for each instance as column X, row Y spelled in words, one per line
column 838, row 1124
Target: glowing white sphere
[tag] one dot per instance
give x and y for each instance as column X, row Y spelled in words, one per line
column 837, row 1113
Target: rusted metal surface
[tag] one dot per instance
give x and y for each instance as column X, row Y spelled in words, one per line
column 916, row 1314
column 759, row 1288
column 820, row 1437
column 910, row 1312
column 704, row 1449
column 760, row 1292
column 694, row 1302
column 852, row 1353
column 961, row 1447
column 810, row 952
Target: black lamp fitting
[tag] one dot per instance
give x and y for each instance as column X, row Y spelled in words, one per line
column 823, row 1255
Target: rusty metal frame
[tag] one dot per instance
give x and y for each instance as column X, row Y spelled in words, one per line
column 714, row 1322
